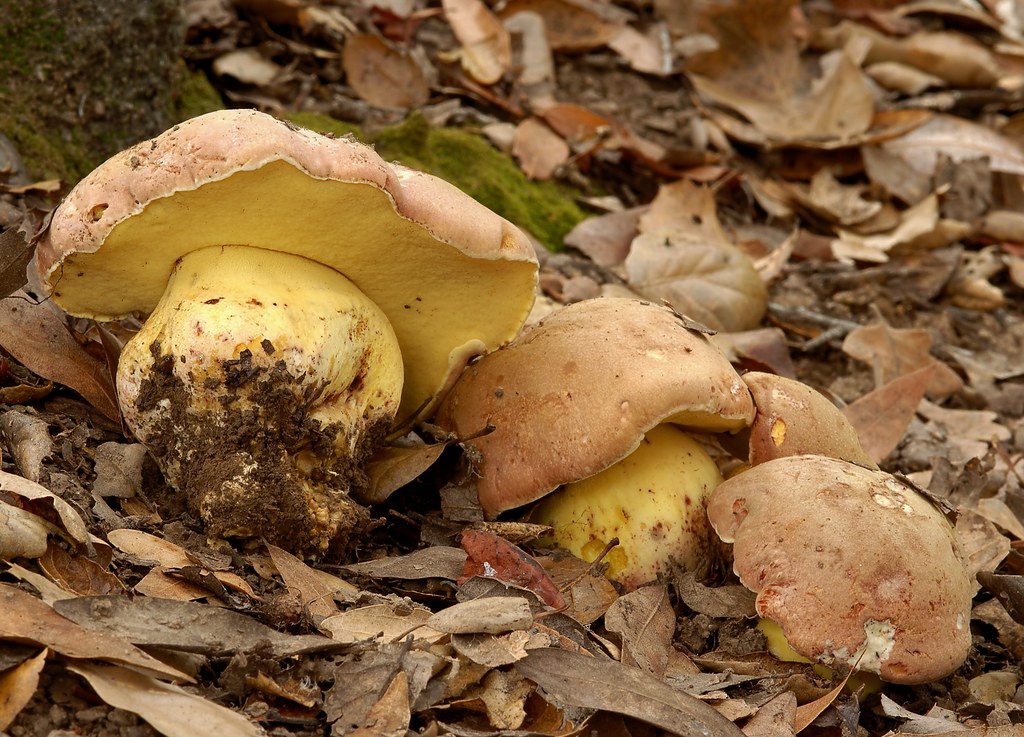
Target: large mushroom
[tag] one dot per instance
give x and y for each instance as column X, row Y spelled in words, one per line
column 303, row 297
column 858, row 569
column 587, row 400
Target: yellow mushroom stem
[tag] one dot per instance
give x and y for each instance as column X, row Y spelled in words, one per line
column 653, row 501
column 260, row 383
column 860, row 682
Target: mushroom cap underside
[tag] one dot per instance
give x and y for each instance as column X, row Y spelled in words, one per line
column 454, row 279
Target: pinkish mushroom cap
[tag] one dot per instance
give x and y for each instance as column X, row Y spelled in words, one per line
column 576, row 392
column 794, row 419
column 858, row 569
column 453, row 278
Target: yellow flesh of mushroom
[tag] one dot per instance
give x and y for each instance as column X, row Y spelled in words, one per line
column 653, row 501
column 260, row 383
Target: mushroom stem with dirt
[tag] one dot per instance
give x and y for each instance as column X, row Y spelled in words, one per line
column 590, row 401
column 305, row 300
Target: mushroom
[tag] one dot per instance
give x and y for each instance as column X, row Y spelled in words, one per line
column 858, row 568
column 303, row 297
column 571, row 399
column 794, row 419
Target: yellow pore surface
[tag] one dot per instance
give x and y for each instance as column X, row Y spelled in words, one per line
column 440, row 302
column 653, row 501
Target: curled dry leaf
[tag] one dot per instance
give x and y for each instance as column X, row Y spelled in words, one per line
column 959, row 140
column 28, row 439
column 186, row 626
column 715, row 284
column 571, row 25
column 24, row 534
column 119, row 469
column 645, row 621
column 247, row 66
column 539, row 150
column 35, row 334
column 390, row 716
column 27, row 619
column 583, row 681
column 17, row 686
column 382, row 75
column 48, row 505
column 491, row 615
column 486, row 44
column 169, row 708
column 757, row 71
column 387, row 621
column 958, row 59
column 392, row 467
column 894, row 352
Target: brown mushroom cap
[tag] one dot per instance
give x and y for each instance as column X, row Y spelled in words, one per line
column 856, row 567
column 576, row 392
column 794, row 419
column 453, row 278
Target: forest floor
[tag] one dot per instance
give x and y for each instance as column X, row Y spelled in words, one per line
column 863, row 159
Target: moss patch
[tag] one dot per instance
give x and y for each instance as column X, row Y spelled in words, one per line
column 546, row 210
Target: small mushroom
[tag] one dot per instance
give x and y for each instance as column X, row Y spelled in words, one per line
column 794, row 419
column 578, row 393
column 858, row 569
column 303, row 296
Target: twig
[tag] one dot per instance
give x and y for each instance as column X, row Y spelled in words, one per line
column 835, row 327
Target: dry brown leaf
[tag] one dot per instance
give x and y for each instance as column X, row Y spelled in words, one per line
column 386, row 621
column 486, row 44
column 160, row 582
column 1003, row 225
column 757, row 71
column 605, row 239
column 685, row 207
column 959, row 140
column 917, row 227
column 23, row 535
column 382, row 75
column 958, row 59
column 646, row 52
column 881, row 417
column 36, row 336
column 247, row 66
column 570, row 26
column 169, row 708
column 583, row 681
column 733, row 600
column 969, row 288
column 25, row 618
column 17, row 686
column 76, row 573
column 585, row 130
column 390, row 716
column 835, row 203
column 47, row 505
column 119, row 469
column 807, row 713
column 491, row 615
column 645, row 621
column 777, row 718
column 434, row 562
column 186, row 626
column 492, row 651
column 894, row 352
column 504, row 694
column 715, row 284
column 28, row 440
column 983, row 545
column 903, row 78
column 891, row 173
column 314, row 593
column 587, row 593
column 539, row 150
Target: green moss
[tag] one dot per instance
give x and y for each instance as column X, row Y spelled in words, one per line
column 195, row 95
column 546, row 210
